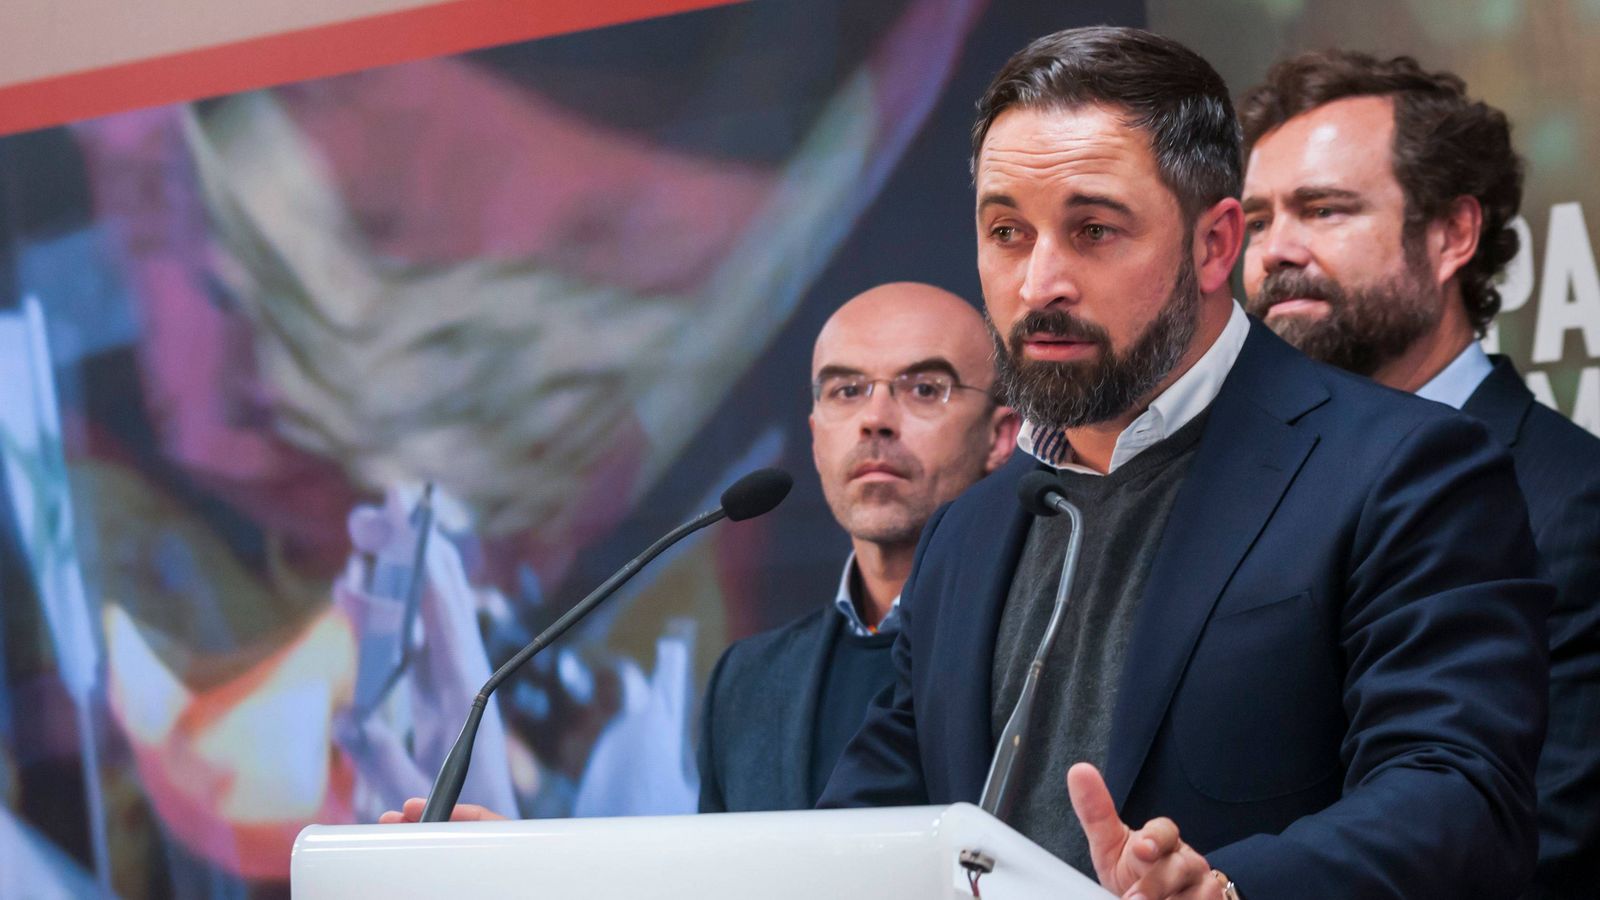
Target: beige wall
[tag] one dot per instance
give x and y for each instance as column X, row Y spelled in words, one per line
column 42, row 38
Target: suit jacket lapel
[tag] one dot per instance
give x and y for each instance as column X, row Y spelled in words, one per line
column 1248, row 456
column 798, row 727
column 1501, row 402
column 988, row 588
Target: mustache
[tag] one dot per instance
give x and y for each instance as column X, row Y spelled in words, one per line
column 1290, row 284
column 1057, row 323
column 879, row 451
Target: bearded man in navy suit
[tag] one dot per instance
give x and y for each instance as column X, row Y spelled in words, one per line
column 1306, row 641
column 1378, row 200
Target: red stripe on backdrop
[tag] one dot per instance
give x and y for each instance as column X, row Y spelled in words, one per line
column 452, row 27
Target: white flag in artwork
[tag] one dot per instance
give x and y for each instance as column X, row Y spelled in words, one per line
column 35, row 469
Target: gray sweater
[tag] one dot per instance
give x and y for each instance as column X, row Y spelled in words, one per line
column 1124, row 512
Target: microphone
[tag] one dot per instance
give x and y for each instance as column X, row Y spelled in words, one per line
column 1040, row 494
column 751, row 496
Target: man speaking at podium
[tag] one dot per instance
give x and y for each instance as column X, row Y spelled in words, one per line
column 1304, row 655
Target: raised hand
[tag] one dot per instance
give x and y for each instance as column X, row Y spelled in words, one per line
column 1150, row 863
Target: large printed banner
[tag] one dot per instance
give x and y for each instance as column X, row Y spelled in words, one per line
column 67, row 60
column 497, row 318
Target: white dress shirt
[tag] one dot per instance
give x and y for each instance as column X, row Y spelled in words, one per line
column 845, row 602
column 1455, row 383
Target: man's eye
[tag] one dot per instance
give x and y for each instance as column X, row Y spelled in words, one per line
column 1255, row 226
column 1005, row 234
column 926, row 389
column 1096, row 232
column 1323, row 212
column 846, row 392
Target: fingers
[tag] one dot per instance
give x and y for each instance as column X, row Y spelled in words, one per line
column 472, row 812
column 410, row 811
column 1209, row 889
column 1098, row 814
column 1201, row 891
column 1178, row 871
column 1156, row 839
column 1154, row 858
column 463, row 812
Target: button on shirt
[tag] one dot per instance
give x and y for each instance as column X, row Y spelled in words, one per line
column 846, row 604
column 1455, row 383
column 1171, row 410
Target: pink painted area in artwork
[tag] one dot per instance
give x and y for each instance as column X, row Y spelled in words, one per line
column 199, row 385
column 931, row 30
column 442, row 161
column 603, row 502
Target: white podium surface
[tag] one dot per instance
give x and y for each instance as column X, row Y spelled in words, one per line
column 908, row 852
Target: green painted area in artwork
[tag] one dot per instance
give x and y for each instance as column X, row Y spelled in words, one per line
column 1499, row 16
column 1551, row 142
column 1283, row 10
column 1454, row 21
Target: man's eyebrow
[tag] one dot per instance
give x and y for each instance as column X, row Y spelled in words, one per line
column 832, row 371
column 1254, row 204
column 932, row 364
column 1098, row 200
column 1311, row 193
column 995, row 199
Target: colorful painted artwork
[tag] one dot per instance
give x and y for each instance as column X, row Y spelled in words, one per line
column 564, row 290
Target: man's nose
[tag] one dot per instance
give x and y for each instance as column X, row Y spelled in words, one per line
column 1283, row 245
column 1048, row 280
column 880, row 414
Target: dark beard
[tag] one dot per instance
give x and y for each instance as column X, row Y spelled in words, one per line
column 1074, row 394
column 1364, row 329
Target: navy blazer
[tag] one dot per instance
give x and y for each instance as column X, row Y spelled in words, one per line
column 758, row 718
column 1336, row 679
column 1558, row 466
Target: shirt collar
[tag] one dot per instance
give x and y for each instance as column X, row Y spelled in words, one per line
column 1454, row 384
column 845, row 602
column 1172, row 409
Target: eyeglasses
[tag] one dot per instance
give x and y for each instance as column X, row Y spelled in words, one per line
column 922, row 394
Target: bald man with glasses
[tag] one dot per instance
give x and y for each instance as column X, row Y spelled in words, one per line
column 903, row 419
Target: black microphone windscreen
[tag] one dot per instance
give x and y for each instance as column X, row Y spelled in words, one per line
column 1033, row 490
column 756, row 493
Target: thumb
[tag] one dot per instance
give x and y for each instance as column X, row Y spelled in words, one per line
column 1107, row 834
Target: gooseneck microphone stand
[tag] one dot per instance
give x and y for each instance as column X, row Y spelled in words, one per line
column 1041, row 495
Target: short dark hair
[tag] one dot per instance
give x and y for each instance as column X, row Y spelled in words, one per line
column 1446, row 146
column 1167, row 90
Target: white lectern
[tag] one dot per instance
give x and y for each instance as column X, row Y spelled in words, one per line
column 911, row 852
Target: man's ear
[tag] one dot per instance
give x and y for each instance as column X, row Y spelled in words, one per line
column 811, row 426
column 1004, row 423
column 1453, row 237
column 1218, row 241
